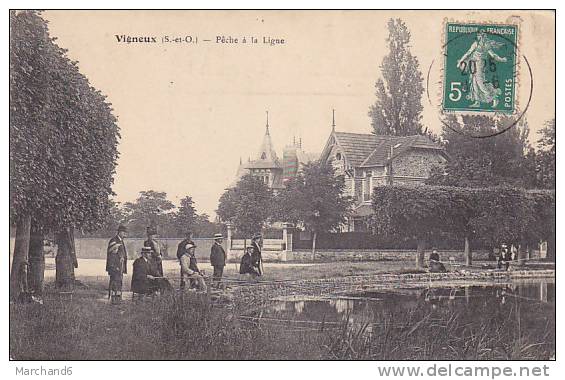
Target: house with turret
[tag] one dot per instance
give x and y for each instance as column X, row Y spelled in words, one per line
column 269, row 168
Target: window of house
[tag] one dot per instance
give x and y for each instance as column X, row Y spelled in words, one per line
column 263, row 155
column 338, row 156
column 367, row 186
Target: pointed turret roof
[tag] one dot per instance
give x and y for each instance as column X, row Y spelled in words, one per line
column 266, row 157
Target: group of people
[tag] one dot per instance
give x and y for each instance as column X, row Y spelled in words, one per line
column 252, row 261
column 148, row 277
column 504, row 256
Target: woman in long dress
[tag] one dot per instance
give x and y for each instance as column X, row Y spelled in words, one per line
column 480, row 52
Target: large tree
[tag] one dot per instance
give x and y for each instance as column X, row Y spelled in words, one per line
column 248, row 205
column 493, row 215
column 63, row 148
column 185, row 218
column 417, row 213
column 315, row 198
column 151, row 208
column 482, row 162
column 397, row 110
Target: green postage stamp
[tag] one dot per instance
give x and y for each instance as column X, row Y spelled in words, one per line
column 480, row 68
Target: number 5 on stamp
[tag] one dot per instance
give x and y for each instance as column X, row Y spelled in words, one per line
column 480, row 68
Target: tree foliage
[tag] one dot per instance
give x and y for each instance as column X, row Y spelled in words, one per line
column 504, row 159
column 63, row 146
column 63, row 135
column 154, row 208
column 151, row 208
column 493, row 215
column 248, row 205
column 398, row 107
column 417, row 212
column 185, row 218
column 545, row 157
column 314, row 198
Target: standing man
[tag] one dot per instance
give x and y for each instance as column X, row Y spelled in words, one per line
column 256, row 258
column 182, row 249
column 116, row 264
column 155, row 246
column 217, row 259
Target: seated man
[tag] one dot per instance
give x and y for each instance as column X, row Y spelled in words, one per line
column 435, row 265
column 504, row 257
column 145, row 279
column 246, row 265
column 189, row 267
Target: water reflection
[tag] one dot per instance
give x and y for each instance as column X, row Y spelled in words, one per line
column 342, row 306
column 481, row 301
column 498, row 321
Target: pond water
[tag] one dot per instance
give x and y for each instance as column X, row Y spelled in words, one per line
column 528, row 306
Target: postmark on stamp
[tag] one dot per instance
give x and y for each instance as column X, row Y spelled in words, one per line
column 480, row 68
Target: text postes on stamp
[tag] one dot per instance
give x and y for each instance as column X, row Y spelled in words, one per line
column 480, row 68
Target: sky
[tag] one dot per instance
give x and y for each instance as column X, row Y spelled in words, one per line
column 189, row 111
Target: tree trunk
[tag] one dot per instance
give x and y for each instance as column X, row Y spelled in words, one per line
column 36, row 272
column 20, row 258
column 468, row 252
column 314, row 236
column 65, row 260
column 420, row 252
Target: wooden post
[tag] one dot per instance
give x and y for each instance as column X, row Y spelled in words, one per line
column 550, row 256
column 21, row 249
column 420, row 252
column 468, row 252
column 229, row 239
column 521, row 256
column 314, row 236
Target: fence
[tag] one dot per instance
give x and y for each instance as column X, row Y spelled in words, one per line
column 278, row 249
column 302, row 240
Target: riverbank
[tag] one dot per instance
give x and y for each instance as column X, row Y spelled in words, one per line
column 190, row 325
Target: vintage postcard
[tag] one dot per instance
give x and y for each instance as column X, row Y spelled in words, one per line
column 283, row 185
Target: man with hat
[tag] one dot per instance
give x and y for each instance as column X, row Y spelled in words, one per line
column 435, row 265
column 146, row 279
column 256, row 258
column 217, row 259
column 182, row 250
column 116, row 264
column 504, row 257
column 189, row 266
column 246, row 265
column 155, row 246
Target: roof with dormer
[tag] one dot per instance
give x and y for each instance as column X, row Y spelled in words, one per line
column 368, row 150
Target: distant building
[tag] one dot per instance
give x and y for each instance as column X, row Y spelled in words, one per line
column 269, row 168
column 368, row 160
